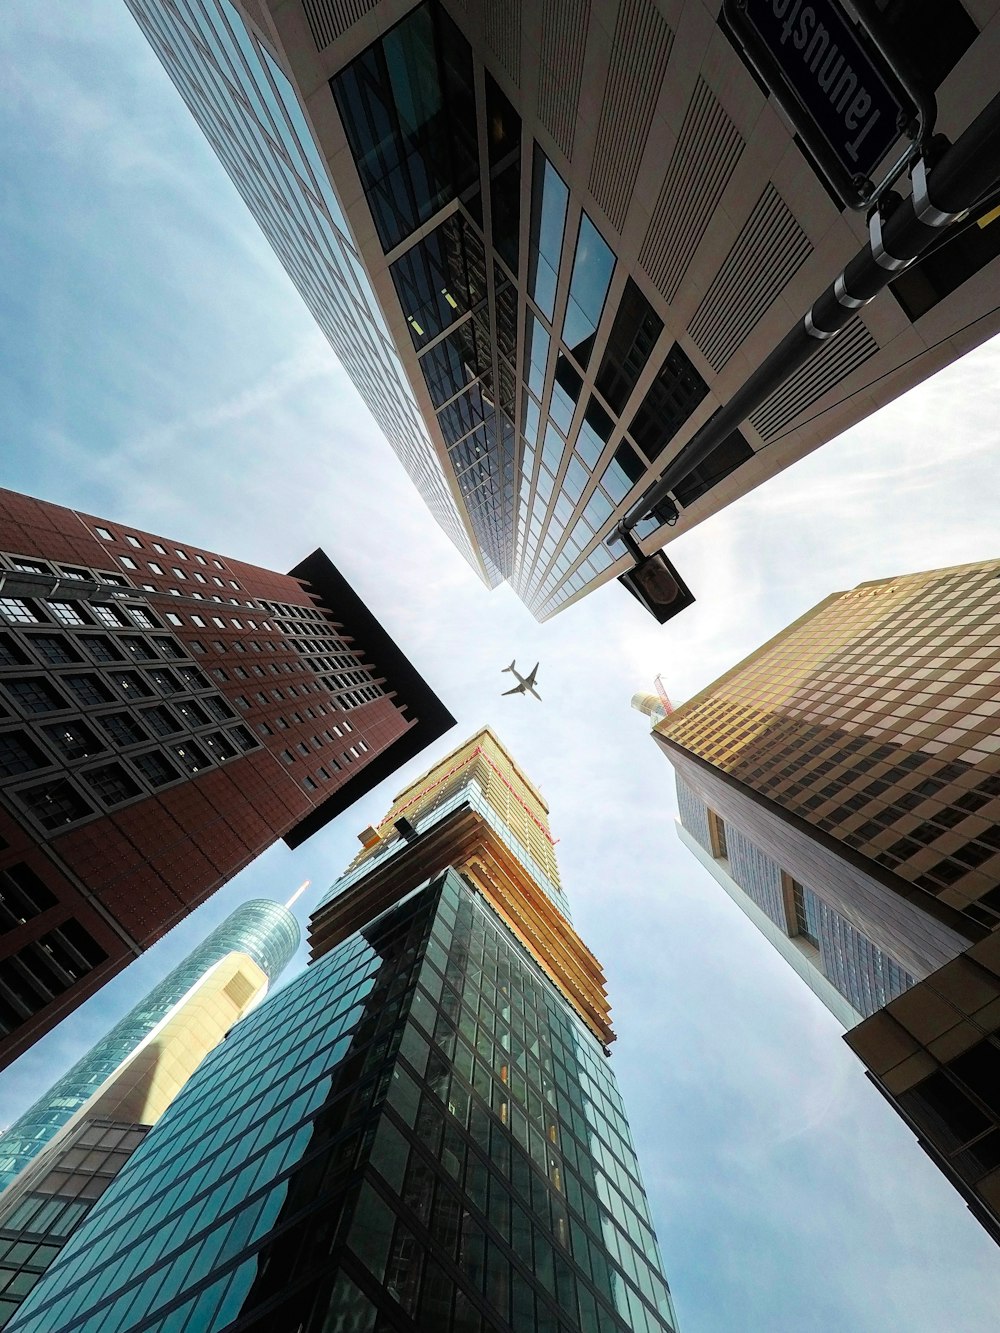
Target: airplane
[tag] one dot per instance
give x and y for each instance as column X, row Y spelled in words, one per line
column 524, row 682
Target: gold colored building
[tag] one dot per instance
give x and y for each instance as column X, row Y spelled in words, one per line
column 843, row 785
column 476, row 810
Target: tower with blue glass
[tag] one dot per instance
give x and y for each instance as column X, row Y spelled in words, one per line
column 421, row 1131
column 67, row 1148
column 265, row 931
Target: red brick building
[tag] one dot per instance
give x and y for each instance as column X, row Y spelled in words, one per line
column 166, row 713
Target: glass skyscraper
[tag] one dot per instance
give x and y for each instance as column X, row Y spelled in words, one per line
column 566, row 233
column 265, row 931
column 67, row 1150
column 245, row 105
column 420, row 1132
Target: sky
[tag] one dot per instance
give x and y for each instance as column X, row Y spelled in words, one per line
column 157, row 367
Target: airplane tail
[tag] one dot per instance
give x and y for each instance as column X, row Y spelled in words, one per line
column 512, row 665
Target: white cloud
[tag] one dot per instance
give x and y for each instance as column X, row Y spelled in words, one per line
column 787, row 1195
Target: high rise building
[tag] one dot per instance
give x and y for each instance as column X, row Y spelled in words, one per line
column 265, row 932
column 842, row 783
column 422, row 1131
column 566, row 232
column 166, row 713
column 63, row 1153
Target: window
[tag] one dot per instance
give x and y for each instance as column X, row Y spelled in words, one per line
column 161, row 720
column 160, row 550
column 55, row 803
column 155, row 568
column 19, row 754
column 11, row 653
column 549, row 197
column 164, row 681
column 112, row 784
column 123, row 728
column 178, row 573
column 108, row 615
column 181, row 555
column 34, row 695
column 218, row 622
column 128, row 562
column 133, row 541
column 22, row 896
column 264, row 729
column 219, row 746
column 143, row 618
column 672, row 397
column 242, row 737
column 102, row 649
column 74, row 740
column 131, row 684
column 288, row 757
column 155, row 769
column 593, row 265
column 192, row 714
column 173, row 619
column 200, row 578
column 192, row 759
column 89, row 689
column 217, row 564
column 16, row 611
column 140, row 649
column 54, row 648
column 104, row 534
column 67, row 613
column 192, row 678
column 309, row 784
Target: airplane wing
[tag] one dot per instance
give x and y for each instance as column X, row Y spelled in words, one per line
column 518, row 689
column 530, row 679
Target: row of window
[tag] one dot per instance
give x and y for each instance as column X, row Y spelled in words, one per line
column 64, row 800
column 43, row 969
column 107, row 535
column 127, row 562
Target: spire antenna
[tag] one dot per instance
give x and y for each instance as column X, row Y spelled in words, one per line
column 298, row 892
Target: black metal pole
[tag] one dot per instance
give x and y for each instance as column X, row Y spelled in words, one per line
column 966, row 171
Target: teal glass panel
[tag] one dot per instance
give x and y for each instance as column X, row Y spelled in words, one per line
column 548, row 222
column 593, row 266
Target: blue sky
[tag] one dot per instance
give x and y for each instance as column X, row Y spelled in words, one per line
column 157, row 366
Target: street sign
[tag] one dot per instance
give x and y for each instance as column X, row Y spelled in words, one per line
column 840, row 93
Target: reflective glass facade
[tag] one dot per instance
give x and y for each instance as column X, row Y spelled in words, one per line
column 590, row 206
column 248, row 111
column 866, row 976
column 532, row 424
column 416, row 1133
column 265, row 931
